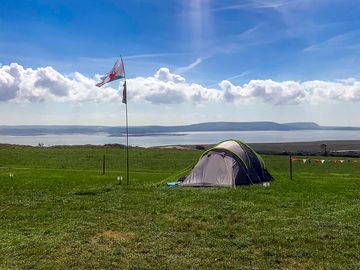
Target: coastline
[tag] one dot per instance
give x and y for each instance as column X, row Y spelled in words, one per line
column 333, row 147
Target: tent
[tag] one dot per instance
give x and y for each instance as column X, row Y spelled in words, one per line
column 229, row 163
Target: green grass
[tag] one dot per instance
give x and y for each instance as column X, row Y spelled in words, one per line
column 60, row 212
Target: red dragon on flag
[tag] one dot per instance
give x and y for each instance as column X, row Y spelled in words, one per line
column 117, row 72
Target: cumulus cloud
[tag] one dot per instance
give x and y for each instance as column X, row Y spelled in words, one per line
column 267, row 91
column 168, row 88
column 291, row 92
column 19, row 84
column 46, row 84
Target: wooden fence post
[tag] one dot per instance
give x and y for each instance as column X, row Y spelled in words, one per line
column 291, row 168
column 103, row 164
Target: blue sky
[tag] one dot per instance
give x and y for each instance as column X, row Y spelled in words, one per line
column 249, row 60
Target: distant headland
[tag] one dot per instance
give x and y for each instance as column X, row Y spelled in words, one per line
column 33, row 130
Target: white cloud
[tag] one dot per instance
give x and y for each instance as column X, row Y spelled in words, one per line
column 348, row 40
column 291, row 92
column 21, row 85
column 267, row 91
column 182, row 70
column 46, row 84
column 166, row 87
column 259, row 4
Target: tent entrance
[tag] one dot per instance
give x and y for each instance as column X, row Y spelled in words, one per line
column 214, row 169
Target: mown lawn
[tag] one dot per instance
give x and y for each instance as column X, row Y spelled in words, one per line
column 60, row 212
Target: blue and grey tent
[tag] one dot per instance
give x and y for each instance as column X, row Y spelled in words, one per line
column 229, row 163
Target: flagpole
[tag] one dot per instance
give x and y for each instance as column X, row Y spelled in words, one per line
column 127, row 145
column 127, row 128
column 109, row 77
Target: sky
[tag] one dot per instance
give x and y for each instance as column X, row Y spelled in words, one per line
column 186, row 61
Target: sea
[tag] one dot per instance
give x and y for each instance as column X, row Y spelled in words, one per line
column 183, row 138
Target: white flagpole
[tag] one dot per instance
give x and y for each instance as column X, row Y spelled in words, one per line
column 127, row 143
column 127, row 125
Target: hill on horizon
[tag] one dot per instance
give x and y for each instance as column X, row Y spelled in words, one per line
column 33, row 130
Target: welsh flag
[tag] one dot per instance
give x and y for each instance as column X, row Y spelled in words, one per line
column 117, row 72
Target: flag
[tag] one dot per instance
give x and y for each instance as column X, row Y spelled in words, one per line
column 124, row 99
column 117, row 72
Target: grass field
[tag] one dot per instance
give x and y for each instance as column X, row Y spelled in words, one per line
column 60, row 212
